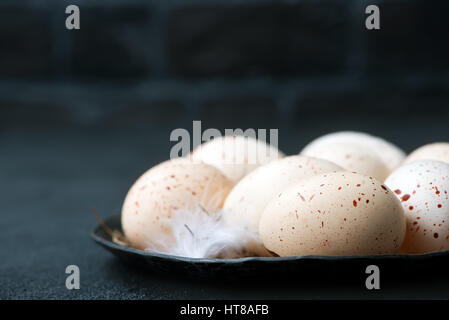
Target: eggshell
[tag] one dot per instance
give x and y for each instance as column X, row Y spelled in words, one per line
column 340, row 213
column 391, row 155
column 434, row 151
column 247, row 200
column 351, row 157
column 423, row 186
column 167, row 187
column 235, row 156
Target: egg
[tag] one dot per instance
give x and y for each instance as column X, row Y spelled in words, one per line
column 163, row 190
column 434, row 151
column 422, row 186
column 351, row 157
column 341, row 213
column 249, row 197
column 391, row 155
column 235, row 156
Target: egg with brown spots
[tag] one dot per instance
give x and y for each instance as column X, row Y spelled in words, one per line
column 335, row 214
column 422, row 187
column 161, row 191
column 434, row 151
column 236, row 156
column 249, row 197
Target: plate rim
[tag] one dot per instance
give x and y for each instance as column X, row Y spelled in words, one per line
column 107, row 243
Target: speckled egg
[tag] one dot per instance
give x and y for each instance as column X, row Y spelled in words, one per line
column 249, row 197
column 235, row 156
column 166, row 188
column 351, row 157
column 422, row 186
column 434, row 151
column 337, row 214
column 391, row 155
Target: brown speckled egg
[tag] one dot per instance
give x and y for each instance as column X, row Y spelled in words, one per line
column 249, row 197
column 390, row 154
column 351, row 157
column 340, row 213
column 434, row 151
column 167, row 187
column 423, row 189
column 235, row 156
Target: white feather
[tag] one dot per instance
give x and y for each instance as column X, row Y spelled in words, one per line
column 198, row 234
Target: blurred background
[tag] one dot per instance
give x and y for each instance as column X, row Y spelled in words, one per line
column 84, row 112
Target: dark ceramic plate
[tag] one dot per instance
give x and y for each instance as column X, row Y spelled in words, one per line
column 390, row 265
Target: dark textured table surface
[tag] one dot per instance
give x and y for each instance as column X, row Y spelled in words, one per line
column 51, row 181
column 84, row 112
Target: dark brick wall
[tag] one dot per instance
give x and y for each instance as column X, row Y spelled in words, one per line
column 230, row 63
column 267, row 39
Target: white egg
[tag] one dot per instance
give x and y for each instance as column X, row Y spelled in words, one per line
column 163, row 191
column 235, row 156
column 351, row 157
column 390, row 154
column 434, row 151
column 247, row 200
column 423, row 186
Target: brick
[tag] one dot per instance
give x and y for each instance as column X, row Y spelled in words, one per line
column 278, row 39
column 375, row 102
column 112, row 42
column 151, row 112
column 237, row 111
column 25, row 46
column 413, row 37
column 33, row 115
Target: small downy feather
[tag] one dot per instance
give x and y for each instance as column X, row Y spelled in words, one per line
column 199, row 234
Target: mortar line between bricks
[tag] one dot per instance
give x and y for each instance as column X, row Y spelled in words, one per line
column 61, row 42
column 156, row 50
column 155, row 3
column 356, row 62
column 195, row 91
column 224, row 82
